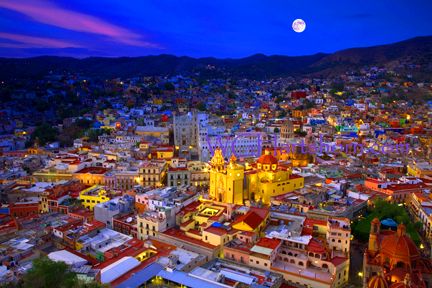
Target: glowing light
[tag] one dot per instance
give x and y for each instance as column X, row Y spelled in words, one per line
column 422, row 246
column 360, row 274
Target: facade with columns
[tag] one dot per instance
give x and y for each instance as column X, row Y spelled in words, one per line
column 258, row 182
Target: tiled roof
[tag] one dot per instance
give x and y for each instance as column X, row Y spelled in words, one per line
column 251, row 218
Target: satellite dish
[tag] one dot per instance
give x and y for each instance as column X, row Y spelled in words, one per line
column 129, row 219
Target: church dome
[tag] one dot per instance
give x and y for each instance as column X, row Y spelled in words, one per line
column 399, row 246
column 267, row 161
column 377, row 281
column 400, row 285
column 406, row 283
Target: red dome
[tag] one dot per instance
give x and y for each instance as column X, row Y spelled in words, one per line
column 377, row 281
column 267, row 158
column 406, row 283
column 164, row 118
column 400, row 285
column 399, row 246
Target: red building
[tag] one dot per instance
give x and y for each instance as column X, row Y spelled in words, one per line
column 24, row 209
column 126, row 224
column 298, row 94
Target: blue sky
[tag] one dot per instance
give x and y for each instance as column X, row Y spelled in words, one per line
column 218, row 28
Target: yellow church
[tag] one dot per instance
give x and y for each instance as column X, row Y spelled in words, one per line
column 235, row 183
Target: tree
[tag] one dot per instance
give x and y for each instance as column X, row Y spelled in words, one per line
column 93, row 134
column 276, row 130
column 300, row 133
column 169, row 86
column 46, row 273
column 201, row 106
column 279, row 99
column 382, row 209
column 44, row 133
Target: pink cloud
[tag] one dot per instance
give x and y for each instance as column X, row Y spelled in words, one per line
column 48, row 13
column 30, row 41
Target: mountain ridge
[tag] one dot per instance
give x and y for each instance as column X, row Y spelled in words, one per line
column 416, row 50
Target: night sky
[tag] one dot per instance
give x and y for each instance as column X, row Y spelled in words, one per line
column 219, row 28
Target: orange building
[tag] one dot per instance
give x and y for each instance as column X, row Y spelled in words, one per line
column 392, row 258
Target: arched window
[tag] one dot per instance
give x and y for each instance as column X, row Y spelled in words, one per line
column 324, row 266
column 300, row 263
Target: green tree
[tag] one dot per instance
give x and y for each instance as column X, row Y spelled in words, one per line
column 300, row 133
column 201, row 106
column 44, row 133
column 169, row 86
column 279, row 99
column 276, row 130
column 46, row 273
column 93, row 134
column 382, row 209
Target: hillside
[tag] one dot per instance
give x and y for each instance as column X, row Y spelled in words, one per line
column 417, row 51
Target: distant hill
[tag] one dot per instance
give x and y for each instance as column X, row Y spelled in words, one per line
column 416, row 50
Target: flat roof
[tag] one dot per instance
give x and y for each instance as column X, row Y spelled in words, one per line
column 141, row 276
column 118, row 268
column 66, row 257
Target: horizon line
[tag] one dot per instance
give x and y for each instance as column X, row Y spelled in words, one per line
column 219, row 58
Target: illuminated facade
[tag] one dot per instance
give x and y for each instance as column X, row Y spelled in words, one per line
column 92, row 196
column 394, row 259
column 234, row 183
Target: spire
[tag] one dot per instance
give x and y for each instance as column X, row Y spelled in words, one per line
column 217, row 160
column 233, row 159
column 401, row 230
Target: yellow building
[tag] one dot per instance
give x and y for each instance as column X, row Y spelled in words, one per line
column 92, row 196
column 419, row 169
column 253, row 220
column 234, row 183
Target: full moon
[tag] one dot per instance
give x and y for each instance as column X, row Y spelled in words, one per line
column 299, row 25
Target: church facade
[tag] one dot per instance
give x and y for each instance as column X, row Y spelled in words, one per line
column 256, row 182
column 393, row 260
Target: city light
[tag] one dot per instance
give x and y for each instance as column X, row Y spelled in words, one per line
column 215, row 144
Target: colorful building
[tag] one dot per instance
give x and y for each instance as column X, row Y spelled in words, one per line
column 92, row 196
column 234, row 183
column 392, row 258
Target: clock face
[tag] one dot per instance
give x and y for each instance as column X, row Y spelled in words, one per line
column 299, row 25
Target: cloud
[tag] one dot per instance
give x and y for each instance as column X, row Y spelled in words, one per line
column 48, row 13
column 31, row 41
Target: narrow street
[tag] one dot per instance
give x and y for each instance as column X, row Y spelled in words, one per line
column 356, row 263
